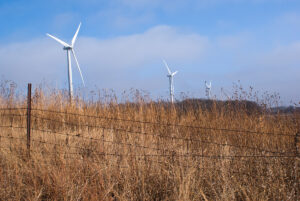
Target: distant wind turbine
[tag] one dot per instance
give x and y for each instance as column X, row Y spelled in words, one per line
column 223, row 92
column 208, row 89
column 171, row 83
column 70, row 48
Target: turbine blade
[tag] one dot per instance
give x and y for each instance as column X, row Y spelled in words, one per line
column 75, row 36
column 58, row 40
column 174, row 73
column 73, row 52
column 169, row 71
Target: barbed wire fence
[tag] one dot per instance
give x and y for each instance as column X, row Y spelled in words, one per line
column 103, row 143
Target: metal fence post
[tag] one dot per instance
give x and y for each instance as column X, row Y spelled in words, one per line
column 28, row 117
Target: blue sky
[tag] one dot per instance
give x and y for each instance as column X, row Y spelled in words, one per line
column 121, row 43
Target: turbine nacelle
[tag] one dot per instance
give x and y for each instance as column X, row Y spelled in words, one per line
column 67, row 48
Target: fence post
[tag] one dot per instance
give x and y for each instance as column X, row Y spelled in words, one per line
column 28, row 117
column 296, row 184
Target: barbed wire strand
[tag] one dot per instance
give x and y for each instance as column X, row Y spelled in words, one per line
column 166, row 124
column 80, row 135
column 8, row 109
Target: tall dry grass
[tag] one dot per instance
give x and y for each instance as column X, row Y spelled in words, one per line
column 144, row 150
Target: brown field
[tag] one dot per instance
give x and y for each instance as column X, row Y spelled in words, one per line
column 101, row 150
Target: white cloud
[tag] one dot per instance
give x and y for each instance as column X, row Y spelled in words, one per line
column 274, row 70
column 28, row 60
column 100, row 59
column 134, row 50
column 135, row 61
column 283, row 56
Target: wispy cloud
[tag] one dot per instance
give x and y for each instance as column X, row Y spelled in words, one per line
column 100, row 59
column 134, row 60
column 133, row 50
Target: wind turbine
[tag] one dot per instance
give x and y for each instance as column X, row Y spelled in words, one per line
column 70, row 48
column 208, row 89
column 171, row 84
column 223, row 92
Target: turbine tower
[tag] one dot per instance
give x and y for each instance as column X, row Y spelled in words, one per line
column 70, row 48
column 208, row 89
column 171, row 83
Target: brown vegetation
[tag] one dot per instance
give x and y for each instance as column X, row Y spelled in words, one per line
column 101, row 150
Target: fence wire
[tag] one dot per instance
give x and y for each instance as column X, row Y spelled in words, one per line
column 160, row 152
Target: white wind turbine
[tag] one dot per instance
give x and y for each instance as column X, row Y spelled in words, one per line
column 208, row 89
column 171, row 83
column 223, row 92
column 70, row 48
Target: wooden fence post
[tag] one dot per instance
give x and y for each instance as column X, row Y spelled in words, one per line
column 28, row 117
column 296, row 184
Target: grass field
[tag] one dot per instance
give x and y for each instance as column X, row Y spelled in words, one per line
column 145, row 150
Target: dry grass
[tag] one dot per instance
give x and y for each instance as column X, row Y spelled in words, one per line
column 79, row 157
